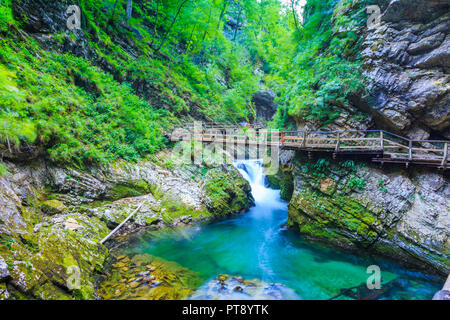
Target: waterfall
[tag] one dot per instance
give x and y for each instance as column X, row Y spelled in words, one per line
column 253, row 172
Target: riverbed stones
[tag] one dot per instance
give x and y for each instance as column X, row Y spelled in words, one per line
column 166, row 280
column 228, row 287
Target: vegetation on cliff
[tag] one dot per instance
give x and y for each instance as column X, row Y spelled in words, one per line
column 327, row 64
column 111, row 89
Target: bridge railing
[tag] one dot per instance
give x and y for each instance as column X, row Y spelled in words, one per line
column 392, row 146
column 334, row 140
column 398, row 147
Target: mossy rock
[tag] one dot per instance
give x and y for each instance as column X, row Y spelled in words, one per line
column 338, row 219
column 131, row 189
column 227, row 191
column 283, row 181
column 52, row 207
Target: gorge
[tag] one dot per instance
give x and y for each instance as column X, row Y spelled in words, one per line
column 85, row 116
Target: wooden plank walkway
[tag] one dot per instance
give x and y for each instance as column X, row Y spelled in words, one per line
column 381, row 146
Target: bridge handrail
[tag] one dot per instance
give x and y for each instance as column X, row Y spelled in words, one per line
column 390, row 144
column 355, row 131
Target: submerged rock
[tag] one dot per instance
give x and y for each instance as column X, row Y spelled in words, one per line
column 226, row 287
column 148, row 278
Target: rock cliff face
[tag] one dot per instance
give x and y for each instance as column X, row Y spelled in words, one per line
column 52, row 219
column 265, row 106
column 401, row 213
column 397, row 213
column 406, row 60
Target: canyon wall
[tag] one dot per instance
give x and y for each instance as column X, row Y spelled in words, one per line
column 402, row 213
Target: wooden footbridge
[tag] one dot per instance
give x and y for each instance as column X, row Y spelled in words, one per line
column 377, row 145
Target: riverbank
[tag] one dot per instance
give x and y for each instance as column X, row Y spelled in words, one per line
column 402, row 214
column 52, row 219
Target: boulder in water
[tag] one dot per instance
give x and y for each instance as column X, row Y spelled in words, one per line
column 226, row 287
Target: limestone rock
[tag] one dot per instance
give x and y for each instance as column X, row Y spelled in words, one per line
column 265, row 106
column 402, row 215
column 52, row 207
column 406, row 61
column 4, row 272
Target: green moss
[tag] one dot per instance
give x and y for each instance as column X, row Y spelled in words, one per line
column 317, row 214
column 174, row 208
column 227, row 191
column 52, row 207
column 134, row 189
column 3, row 170
column 283, row 181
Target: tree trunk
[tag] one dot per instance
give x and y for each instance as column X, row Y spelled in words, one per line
column 222, row 12
column 129, row 9
column 294, row 14
column 171, row 25
column 237, row 22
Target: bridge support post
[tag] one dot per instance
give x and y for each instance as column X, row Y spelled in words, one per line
column 382, row 141
column 444, row 158
column 410, row 150
column 338, row 142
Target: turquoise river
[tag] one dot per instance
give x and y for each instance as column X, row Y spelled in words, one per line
column 257, row 245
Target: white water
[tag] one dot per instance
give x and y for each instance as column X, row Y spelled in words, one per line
column 253, row 172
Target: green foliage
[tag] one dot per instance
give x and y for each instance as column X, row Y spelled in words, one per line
column 381, row 186
column 6, row 17
column 327, row 64
column 355, row 182
column 3, row 170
